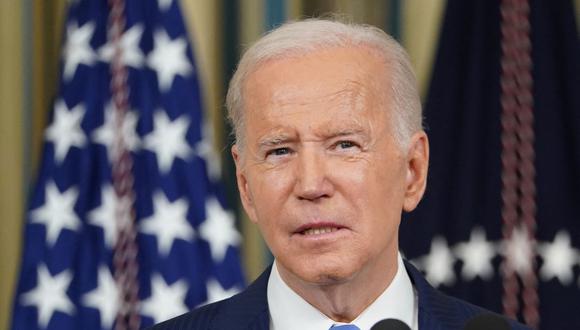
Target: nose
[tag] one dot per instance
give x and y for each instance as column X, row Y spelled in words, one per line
column 312, row 179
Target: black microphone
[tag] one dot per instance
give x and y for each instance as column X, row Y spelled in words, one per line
column 390, row 324
column 487, row 321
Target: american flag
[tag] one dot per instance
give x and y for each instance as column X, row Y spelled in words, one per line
column 126, row 216
column 458, row 235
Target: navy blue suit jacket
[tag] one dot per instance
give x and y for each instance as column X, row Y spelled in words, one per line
column 249, row 309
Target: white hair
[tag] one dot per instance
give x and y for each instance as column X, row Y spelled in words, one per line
column 303, row 37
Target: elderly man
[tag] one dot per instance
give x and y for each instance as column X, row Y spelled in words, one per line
column 330, row 151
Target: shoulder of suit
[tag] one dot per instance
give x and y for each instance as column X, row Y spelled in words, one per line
column 244, row 308
column 448, row 311
column 200, row 318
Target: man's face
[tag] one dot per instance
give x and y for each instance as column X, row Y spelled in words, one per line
column 320, row 172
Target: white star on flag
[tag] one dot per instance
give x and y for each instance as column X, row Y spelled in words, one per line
column 131, row 54
column 168, row 222
column 105, row 298
column 57, row 213
column 559, row 259
column 49, row 295
column 167, row 140
column 438, row 264
column 168, row 59
column 517, row 250
column 215, row 292
column 65, row 130
column 476, row 255
column 164, row 4
column 105, row 134
column 218, row 229
column 106, row 217
column 166, row 301
column 77, row 49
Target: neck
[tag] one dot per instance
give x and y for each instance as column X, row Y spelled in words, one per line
column 344, row 300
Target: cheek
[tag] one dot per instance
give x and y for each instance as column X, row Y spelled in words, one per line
column 376, row 189
column 373, row 179
column 390, row 174
column 263, row 181
column 269, row 190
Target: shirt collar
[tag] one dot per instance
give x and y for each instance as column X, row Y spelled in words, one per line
column 290, row 311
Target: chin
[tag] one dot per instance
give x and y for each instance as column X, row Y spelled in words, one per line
column 332, row 279
column 319, row 272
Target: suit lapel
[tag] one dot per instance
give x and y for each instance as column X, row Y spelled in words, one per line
column 438, row 311
column 427, row 321
column 247, row 310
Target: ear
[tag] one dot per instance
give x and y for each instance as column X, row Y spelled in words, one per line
column 242, row 180
column 417, row 166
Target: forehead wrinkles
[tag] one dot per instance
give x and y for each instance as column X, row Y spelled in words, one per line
column 360, row 87
column 351, row 99
column 351, row 96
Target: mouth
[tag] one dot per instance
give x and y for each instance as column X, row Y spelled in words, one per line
column 318, row 229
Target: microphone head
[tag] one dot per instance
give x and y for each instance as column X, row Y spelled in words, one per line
column 390, row 324
column 487, row 321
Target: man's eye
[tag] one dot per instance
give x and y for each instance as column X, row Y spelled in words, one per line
column 345, row 144
column 279, row 152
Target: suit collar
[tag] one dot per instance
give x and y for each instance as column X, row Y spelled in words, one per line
column 428, row 297
column 437, row 310
column 249, row 309
column 396, row 301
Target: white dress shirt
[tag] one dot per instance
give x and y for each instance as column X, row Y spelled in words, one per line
column 289, row 311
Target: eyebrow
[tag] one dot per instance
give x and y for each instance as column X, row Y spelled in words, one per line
column 346, row 132
column 276, row 140
column 328, row 133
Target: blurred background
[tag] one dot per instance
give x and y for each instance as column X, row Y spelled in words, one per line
column 31, row 39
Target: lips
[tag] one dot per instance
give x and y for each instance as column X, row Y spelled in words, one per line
column 319, row 228
column 318, row 231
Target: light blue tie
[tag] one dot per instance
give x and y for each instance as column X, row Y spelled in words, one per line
column 344, row 327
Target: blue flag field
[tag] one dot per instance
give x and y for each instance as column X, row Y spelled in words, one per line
column 180, row 243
